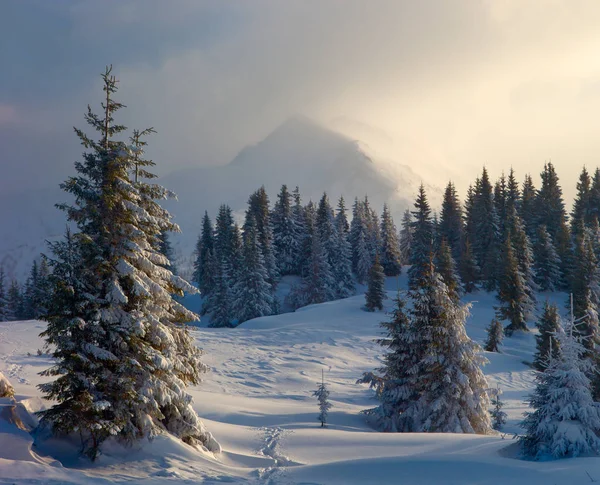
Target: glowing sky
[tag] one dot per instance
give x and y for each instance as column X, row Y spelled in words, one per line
column 443, row 86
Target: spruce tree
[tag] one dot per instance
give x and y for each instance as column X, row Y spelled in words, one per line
column 495, row 335
column 309, row 216
column 123, row 356
column 359, row 241
column 399, row 365
column 468, row 269
column 373, row 233
column 585, row 286
column 322, row 395
column 15, row 306
column 451, row 222
column 528, row 207
column 224, row 234
column 446, row 388
column 204, row 247
column 3, row 297
column 550, row 212
column 446, row 267
column 341, row 262
column 341, row 219
column 286, row 237
column 253, row 294
column 513, row 194
column 595, row 195
column 546, row 262
column 512, row 294
column 500, row 203
column 341, row 266
column 498, row 416
column 485, row 239
column 391, row 259
column 406, row 237
column 422, row 246
column 565, row 421
column 258, row 208
column 219, row 302
column 546, row 343
column 297, row 214
column 581, row 206
column 375, row 291
column 524, row 256
column 35, row 295
column 166, row 249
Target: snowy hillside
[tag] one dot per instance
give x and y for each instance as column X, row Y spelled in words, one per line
column 299, row 152
column 257, row 402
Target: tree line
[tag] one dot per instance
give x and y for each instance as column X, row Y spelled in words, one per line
column 238, row 269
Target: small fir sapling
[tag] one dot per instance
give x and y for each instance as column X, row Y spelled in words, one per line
column 498, row 416
column 322, row 395
column 495, row 333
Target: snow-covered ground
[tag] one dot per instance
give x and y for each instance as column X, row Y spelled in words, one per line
column 257, row 402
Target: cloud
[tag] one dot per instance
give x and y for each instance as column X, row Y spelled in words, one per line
column 500, row 82
column 8, row 114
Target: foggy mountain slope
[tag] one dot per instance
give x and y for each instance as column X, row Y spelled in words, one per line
column 298, row 152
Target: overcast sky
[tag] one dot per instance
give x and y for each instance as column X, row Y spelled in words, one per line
column 455, row 84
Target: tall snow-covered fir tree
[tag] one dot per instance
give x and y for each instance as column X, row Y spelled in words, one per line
column 341, row 219
column 446, row 267
column 253, row 294
column 15, row 306
column 422, row 243
column 550, row 212
column 322, row 395
column 585, row 287
column 468, row 269
column 3, row 297
column 528, row 207
column 204, row 247
column 546, row 261
column 219, row 302
column 166, row 249
column 500, row 203
column 524, row 255
column 298, row 217
column 373, row 229
column 449, row 388
column 224, row 237
column 258, row 208
column 495, row 335
column 286, row 236
column 405, row 238
column 565, row 421
column 486, row 236
column 399, row 366
column 512, row 293
column 390, row 259
column 375, row 291
column 345, row 285
column 451, row 221
column 318, row 284
column 546, row 344
column 359, row 238
column 123, row 356
column 36, row 292
column 582, row 210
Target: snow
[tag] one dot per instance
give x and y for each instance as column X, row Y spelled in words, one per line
column 257, row 401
